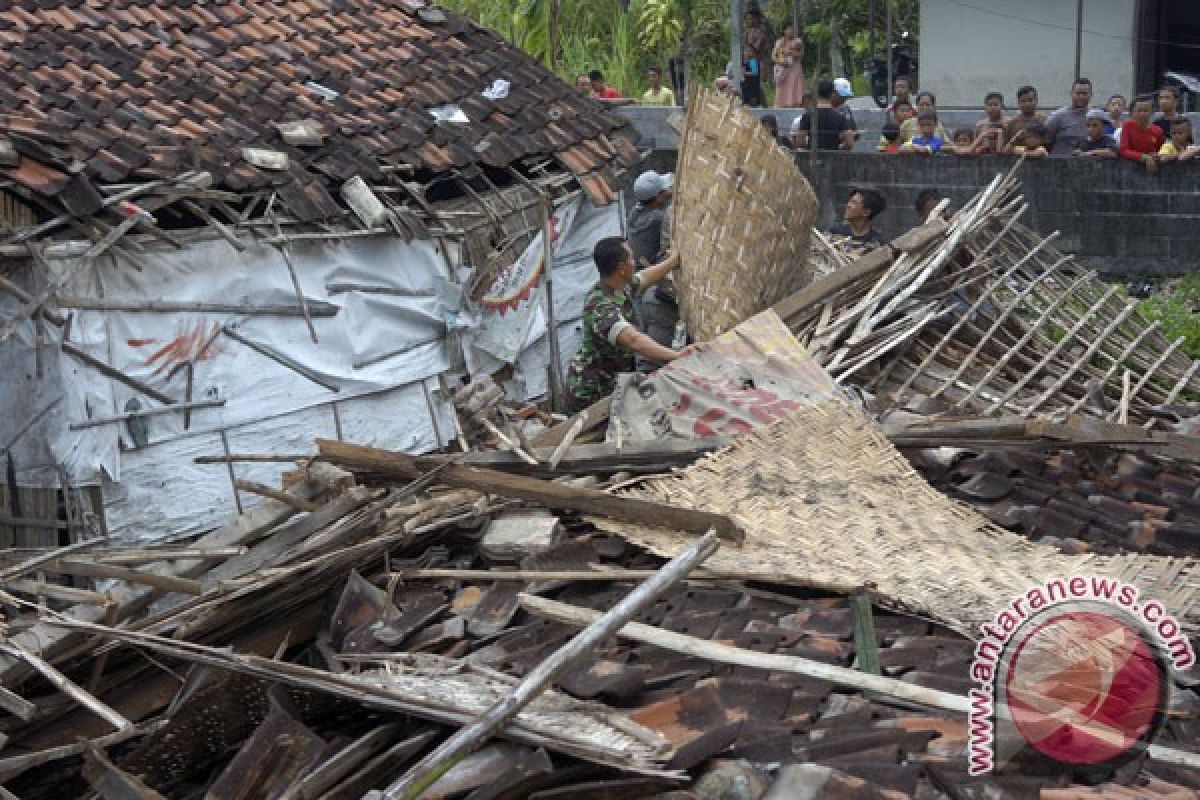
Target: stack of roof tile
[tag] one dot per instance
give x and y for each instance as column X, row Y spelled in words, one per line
column 142, row 89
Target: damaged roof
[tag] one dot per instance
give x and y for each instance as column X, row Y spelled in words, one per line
column 119, row 90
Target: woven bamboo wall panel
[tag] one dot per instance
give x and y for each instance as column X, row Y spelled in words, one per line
column 823, row 496
column 742, row 217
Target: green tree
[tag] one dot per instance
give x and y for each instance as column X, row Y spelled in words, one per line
column 622, row 38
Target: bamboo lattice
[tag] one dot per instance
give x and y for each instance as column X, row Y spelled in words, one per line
column 742, row 217
column 992, row 318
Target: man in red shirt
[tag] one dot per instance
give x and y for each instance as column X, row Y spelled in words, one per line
column 1141, row 140
column 599, row 89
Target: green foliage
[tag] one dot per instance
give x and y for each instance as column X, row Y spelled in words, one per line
column 623, row 38
column 1173, row 310
column 660, row 25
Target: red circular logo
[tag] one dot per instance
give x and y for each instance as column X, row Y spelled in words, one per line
column 1084, row 687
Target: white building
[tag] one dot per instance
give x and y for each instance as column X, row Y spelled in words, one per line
column 971, row 47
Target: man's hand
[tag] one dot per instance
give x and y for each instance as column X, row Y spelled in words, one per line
column 654, row 274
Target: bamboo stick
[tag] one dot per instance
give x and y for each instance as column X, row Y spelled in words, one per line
column 18, row 764
column 280, row 358
column 426, row 772
column 116, row 374
column 727, row 654
column 145, row 412
column 316, row 309
column 67, row 687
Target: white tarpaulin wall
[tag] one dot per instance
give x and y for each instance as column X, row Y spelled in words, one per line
column 398, row 341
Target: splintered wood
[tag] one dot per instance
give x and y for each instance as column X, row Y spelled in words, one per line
column 743, row 212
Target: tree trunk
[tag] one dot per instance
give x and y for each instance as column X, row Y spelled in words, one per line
column 837, row 65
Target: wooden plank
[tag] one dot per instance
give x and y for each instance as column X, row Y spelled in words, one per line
column 601, row 457
column 596, row 416
column 826, row 287
column 553, row 495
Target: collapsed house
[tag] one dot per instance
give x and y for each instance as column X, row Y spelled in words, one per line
column 329, row 641
column 229, row 227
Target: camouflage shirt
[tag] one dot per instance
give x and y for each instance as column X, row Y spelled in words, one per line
column 593, row 372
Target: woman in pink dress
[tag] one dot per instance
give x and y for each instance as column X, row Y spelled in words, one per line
column 788, row 55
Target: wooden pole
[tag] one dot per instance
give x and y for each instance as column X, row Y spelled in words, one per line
column 145, row 412
column 556, row 378
column 727, row 654
column 555, row 495
column 433, row 766
column 116, row 374
column 316, row 309
column 287, row 260
column 67, row 687
column 735, row 45
column 280, row 358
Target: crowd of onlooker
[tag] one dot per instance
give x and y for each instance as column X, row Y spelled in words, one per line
column 1153, row 130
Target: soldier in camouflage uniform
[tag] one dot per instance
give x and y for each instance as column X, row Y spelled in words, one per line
column 610, row 340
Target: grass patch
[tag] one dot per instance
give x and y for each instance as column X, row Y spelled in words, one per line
column 1173, row 309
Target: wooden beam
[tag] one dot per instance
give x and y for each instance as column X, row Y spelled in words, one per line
column 554, row 495
column 426, row 771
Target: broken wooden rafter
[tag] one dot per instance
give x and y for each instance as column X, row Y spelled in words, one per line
column 426, row 772
column 553, row 495
column 377, row 693
column 280, row 358
column 275, row 494
column 66, row 685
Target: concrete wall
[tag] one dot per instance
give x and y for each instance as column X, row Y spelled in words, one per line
column 971, row 47
column 1116, row 217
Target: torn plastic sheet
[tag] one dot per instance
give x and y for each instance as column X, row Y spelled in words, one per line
column 498, row 90
column 745, row 379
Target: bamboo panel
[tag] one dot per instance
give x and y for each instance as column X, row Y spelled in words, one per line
column 742, row 218
column 824, row 496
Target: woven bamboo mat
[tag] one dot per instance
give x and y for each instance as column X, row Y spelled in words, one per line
column 742, row 216
column 823, row 496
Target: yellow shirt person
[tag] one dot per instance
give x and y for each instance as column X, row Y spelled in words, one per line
column 657, row 94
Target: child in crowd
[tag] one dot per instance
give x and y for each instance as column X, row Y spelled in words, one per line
column 1027, row 102
column 927, row 140
column 903, row 110
column 1140, row 138
column 993, row 106
column 926, row 101
column 889, row 142
column 1098, row 144
column 1180, row 146
column 1031, row 142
